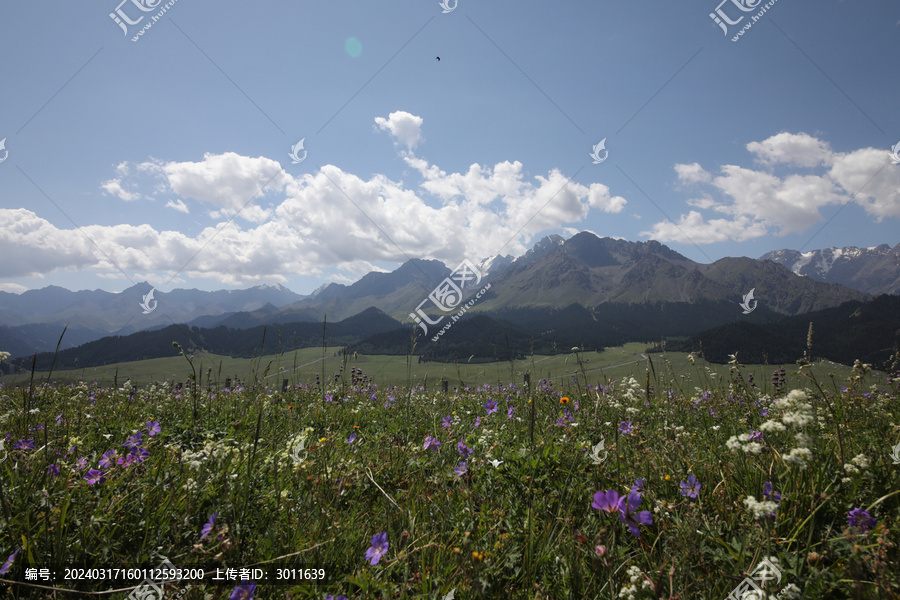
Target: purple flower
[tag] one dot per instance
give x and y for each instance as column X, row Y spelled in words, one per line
column 243, row 591
column 153, row 428
column 24, row 445
column 756, row 436
column 81, row 463
column 768, row 494
column 94, row 476
column 461, row 469
column 861, row 519
column 59, row 418
column 208, row 526
column 691, row 488
column 448, row 421
column 53, row 470
column 629, row 514
column 638, row 487
column 9, row 561
column 608, row 501
column 490, row 406
column 477, row 422
column 510, row 411
column 108, row 459
column 139, row 455
column 431, row 443
column 625, row 427
column 352, row 438
column 134, row 441
column 464, row 450
column 378, row 548
column 331, row 597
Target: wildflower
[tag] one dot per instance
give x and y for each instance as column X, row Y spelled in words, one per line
column 564, row 400
column 9, row 561
column 134, row 441
column 24, row 445
column 153, row 428
column 691, row 488
column 625, row 427
column 94, row 476
column 629, row 514
column 448, row 421
column 759, row 509
column 477, row 422
column 510, row 411
column 53, row 470
column 608, row 501
column 768, row 494
column 861, row 519
column 743, row 443
column 461, row 469
column 798, row 457
column 490, row 406
column 81, row 463
column 243, row 591
column 431, row 443
column 352, row 438
column 755, row 436
column 638, row 487
column 378, row 548
column 108, row 459
column 464, row 450
column 209, row 525
column 332, row 597
column 495, row 463
column 59, row 419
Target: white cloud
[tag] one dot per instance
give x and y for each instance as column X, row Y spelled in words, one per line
column 114, row 188
column 797, row 149
column 226, row 181
column 404, row 127
column 759, row 202
column 178, row 205
column 692, row 173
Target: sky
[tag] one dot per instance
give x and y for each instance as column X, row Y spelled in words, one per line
column 160, row 141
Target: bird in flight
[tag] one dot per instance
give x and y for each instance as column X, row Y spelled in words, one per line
column 438, row 58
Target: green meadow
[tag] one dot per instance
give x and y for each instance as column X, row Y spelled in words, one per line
column 606, row 476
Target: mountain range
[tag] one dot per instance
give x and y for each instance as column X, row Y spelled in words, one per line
column 585, row 290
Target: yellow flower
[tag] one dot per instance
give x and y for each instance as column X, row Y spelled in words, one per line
column 564, row 400
column 322, row 440
column 668, row 478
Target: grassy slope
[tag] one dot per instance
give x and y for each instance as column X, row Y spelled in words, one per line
column 304, row 365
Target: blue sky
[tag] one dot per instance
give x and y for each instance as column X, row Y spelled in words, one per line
column 144, row 160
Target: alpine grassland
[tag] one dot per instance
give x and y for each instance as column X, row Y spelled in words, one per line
column 674, row 483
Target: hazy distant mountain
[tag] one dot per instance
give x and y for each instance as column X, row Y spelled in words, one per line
column 37, row 317
column 874, row 270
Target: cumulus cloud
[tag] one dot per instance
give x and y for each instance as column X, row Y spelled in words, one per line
column 404, row 127
column 114, row 187
column 757, row 202
column 178, row 205
column 328, row 219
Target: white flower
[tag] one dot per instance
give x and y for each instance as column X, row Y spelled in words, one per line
column 496, row 463
column 759, row 509
column 798, row 457
column 861, row 461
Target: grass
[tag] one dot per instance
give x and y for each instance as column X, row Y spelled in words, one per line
column 289, row 488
